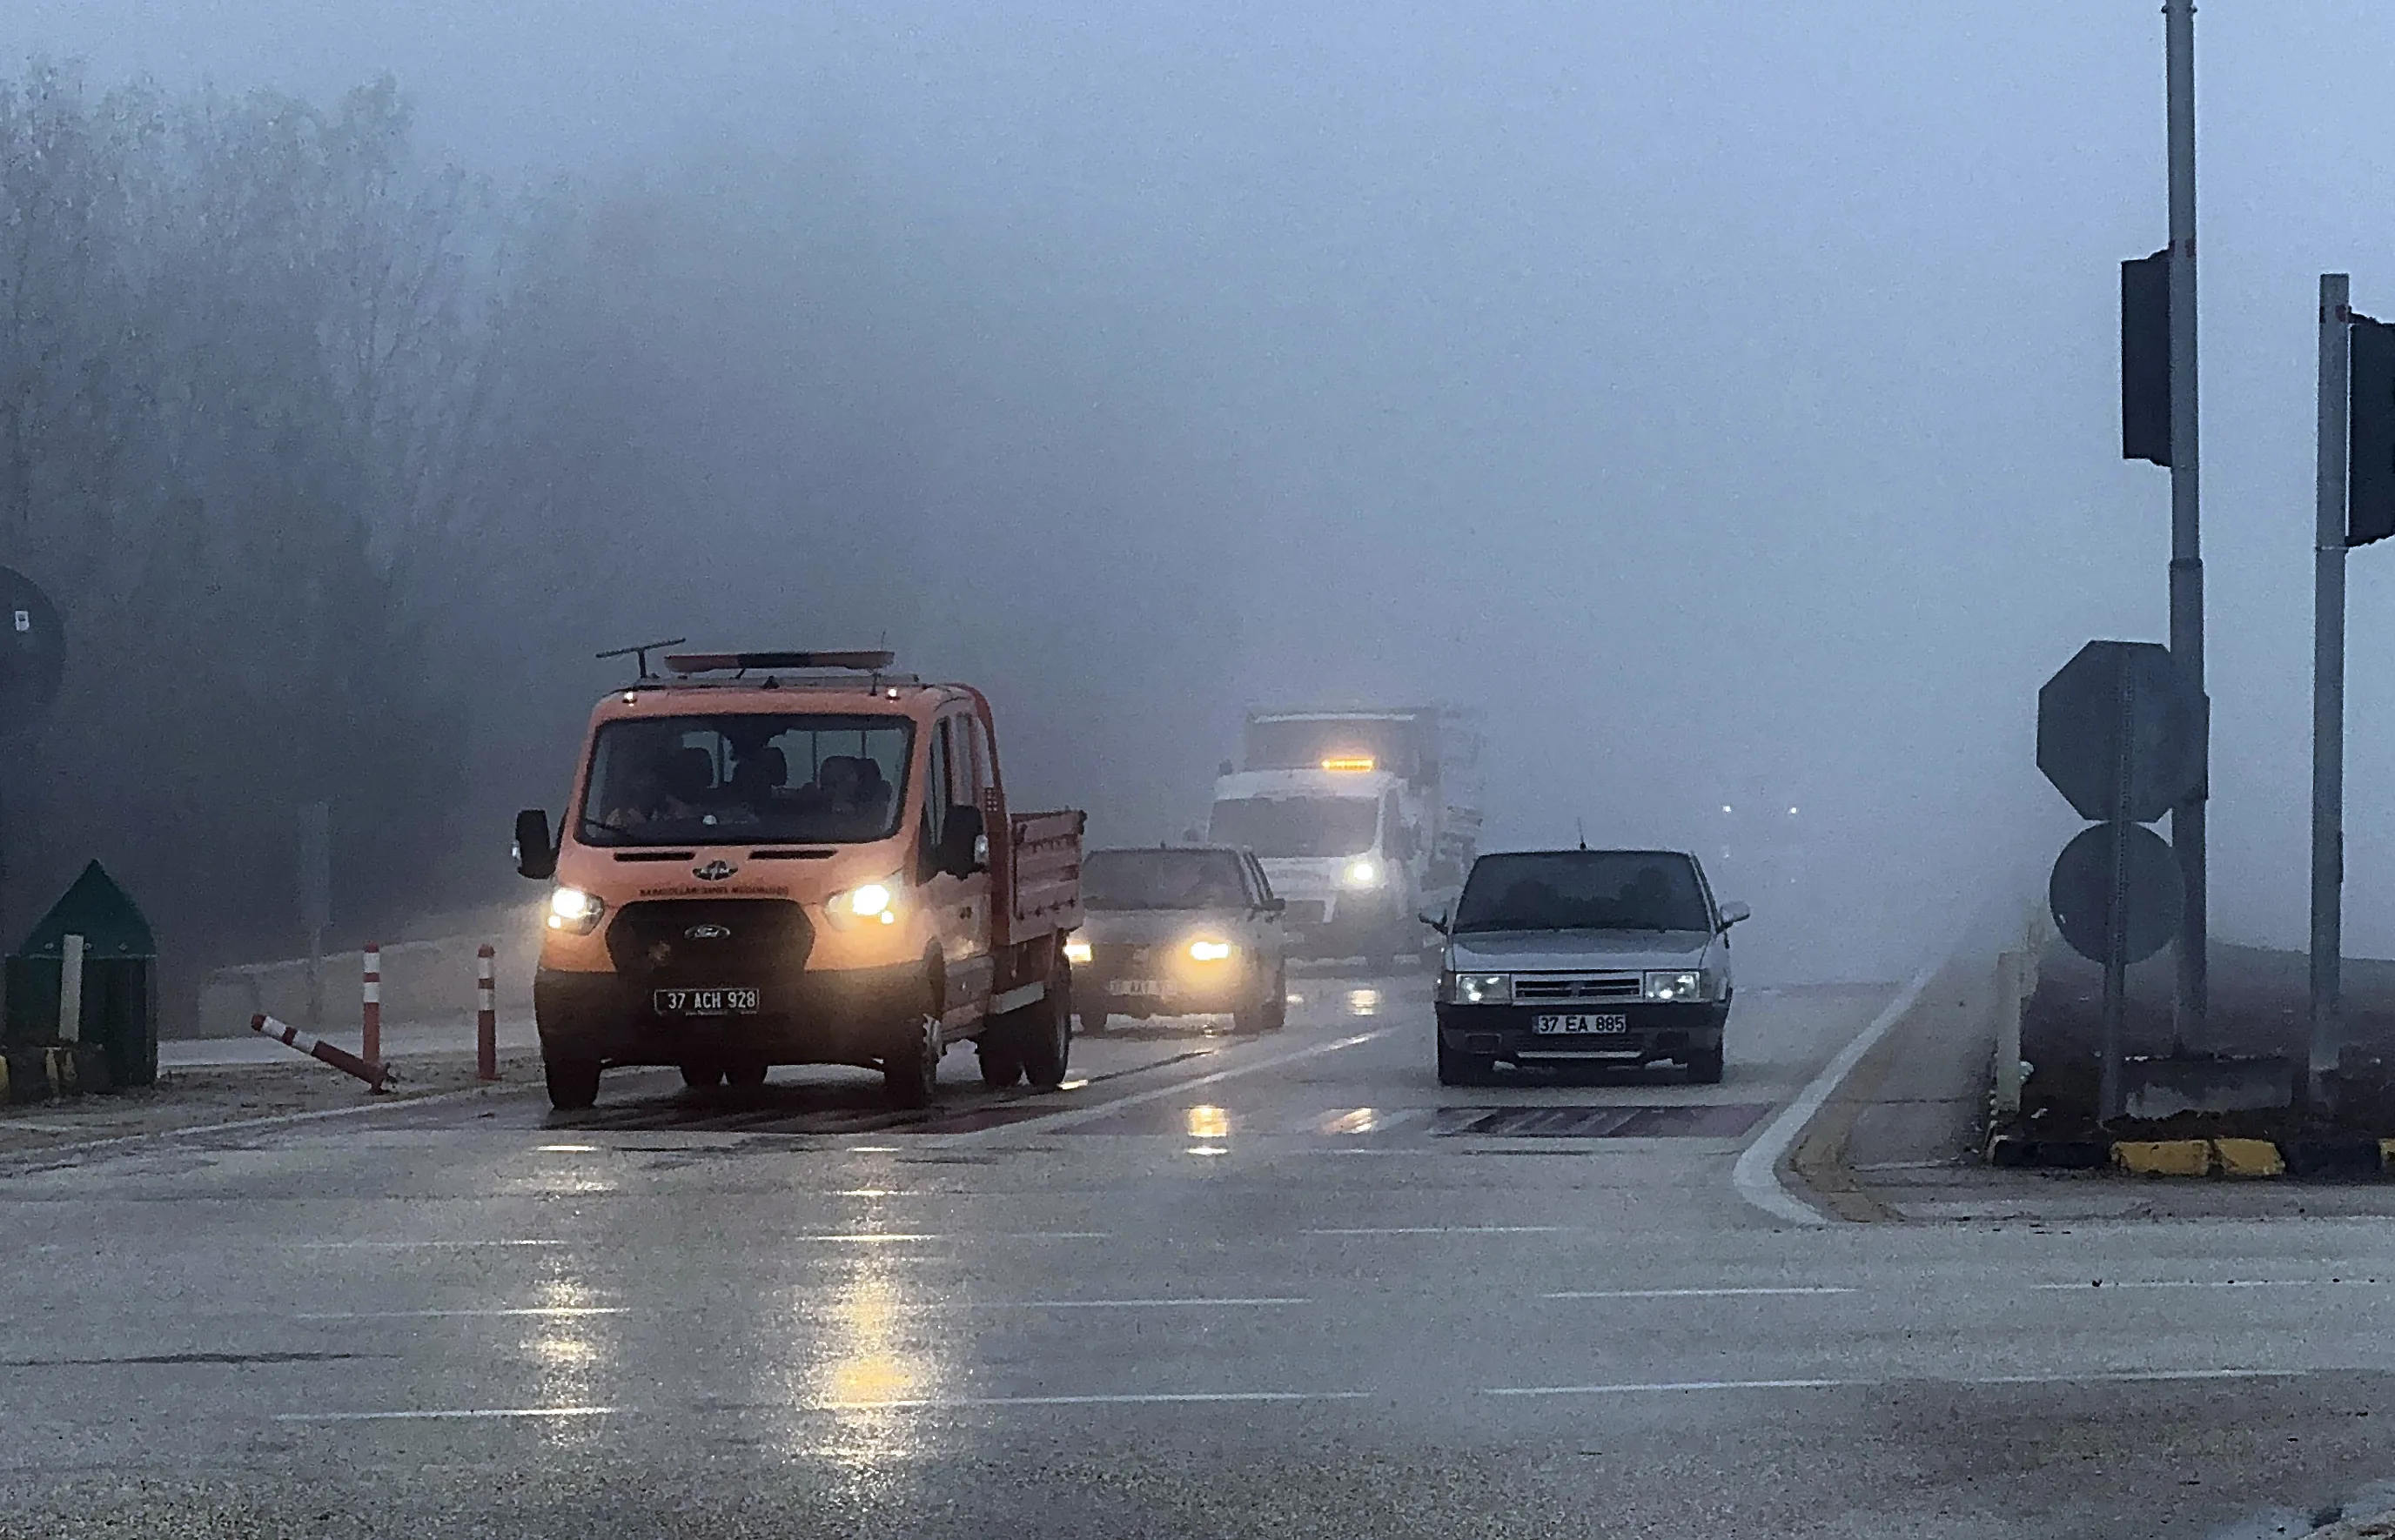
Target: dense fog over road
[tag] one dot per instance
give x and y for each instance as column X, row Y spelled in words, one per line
column 1723, row 397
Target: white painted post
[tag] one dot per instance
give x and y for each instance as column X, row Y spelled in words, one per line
column 71, row 990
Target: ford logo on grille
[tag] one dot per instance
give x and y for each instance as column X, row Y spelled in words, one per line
column 708, row 932
column 714, row 871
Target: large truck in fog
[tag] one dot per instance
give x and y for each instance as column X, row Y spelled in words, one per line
column 1361, row 818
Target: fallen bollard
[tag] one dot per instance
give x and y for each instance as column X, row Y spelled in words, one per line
column 377, row 1076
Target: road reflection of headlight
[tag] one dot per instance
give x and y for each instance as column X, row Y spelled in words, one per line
column 1209, row 1123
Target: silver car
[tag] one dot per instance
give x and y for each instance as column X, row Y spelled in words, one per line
column 1564, row 957
column 1179, row 930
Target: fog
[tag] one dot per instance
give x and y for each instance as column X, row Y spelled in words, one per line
column 1722, row 397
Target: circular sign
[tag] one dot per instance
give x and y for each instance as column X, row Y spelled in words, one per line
column 2146, row 882
column 33, row 651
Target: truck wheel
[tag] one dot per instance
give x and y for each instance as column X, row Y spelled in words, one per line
column 1002, row 1064
column 910, row 1071
column 745, row 1074
column 1705, row 1066
column 1269, row 1011
column 1277, row 1009
column 1043, row 1030
column 572, row 1083
column 1462, row 1069
column 701, row 1077
column 1093, row 1018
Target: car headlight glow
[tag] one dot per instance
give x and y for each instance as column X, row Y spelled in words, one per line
column 1208, row 952
column 1476, row 989
column 1681, row 985
column 1362, row 874
column 1077, row 951
column 575, row 911
column 866, row 900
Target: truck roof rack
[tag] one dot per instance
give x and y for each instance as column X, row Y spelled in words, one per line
column 862, row 662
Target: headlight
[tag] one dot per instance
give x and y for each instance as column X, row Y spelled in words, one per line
column 1692, row 984
column 1476, row 989
column 1362, row 874
column 575, row 911
column 1208, row 952
column 866, row 900
column 1077, row 951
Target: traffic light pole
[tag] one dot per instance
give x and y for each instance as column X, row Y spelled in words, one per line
column 2328, row 688
column 2186, row 561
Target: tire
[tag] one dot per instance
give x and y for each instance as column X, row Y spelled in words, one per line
column 1093, row 1020
column 1269, row 1012
column 572, row 1083
column 910, row 1071
column 745, row 1074
column 1002, row 1063
column 1705, row 1066
column 1042, row 1031
column 701, row 1077
column 1462, row 1069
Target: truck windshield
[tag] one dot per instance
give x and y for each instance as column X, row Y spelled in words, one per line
column 1297, row 825
column 1584, row 890
column 745, row 778
column 1162, row 880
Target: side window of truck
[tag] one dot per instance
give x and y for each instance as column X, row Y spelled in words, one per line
column 985, row 767
column 935, row 787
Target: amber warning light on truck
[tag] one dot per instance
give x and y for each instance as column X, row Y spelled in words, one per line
column 1352, row 764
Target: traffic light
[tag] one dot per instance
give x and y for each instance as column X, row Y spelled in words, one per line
column 2370, row 443
column 2145, row 359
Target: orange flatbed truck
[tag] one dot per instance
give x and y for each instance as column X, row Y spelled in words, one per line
column 799, row 857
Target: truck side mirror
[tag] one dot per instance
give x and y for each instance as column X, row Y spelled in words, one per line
column 1437, row 922
column 964, row 843
column 1733, row 913
column 1275, row 906
column 536, row 850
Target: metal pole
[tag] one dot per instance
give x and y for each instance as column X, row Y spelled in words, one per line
column 2328, row 685
column 2187, row 561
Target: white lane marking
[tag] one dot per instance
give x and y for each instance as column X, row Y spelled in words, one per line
column 1651, row 1386
column 279, row 1120
column 453, row 1414
column 1162, row 1397
column 1756, row 1175
column 2124, row 1377
column 1691, row 1294
column 1443, row 1229
column 1074, row 1116
column 870, row 1237
column 2094, row 1287
column 411, row 1246
column 1142, row 1304
column 546, row 1311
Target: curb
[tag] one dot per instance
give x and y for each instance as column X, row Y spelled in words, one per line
column 2240, row 1159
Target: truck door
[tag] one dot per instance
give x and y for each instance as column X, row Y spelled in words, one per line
column 959, row 905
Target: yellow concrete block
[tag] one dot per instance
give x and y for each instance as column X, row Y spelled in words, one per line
column 2249, row 1157
column 2167, row 1157
column 2387, row 1155
column 4, row 1082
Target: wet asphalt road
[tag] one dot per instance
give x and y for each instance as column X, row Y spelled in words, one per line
column 1281, row 1286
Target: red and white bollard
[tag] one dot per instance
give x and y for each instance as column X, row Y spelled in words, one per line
column 370, row 1011
column 486, row 1018
column 377, row 1076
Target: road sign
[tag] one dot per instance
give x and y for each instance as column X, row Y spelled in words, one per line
column 2121, row 732
column 33, row 651
column 2147, row 882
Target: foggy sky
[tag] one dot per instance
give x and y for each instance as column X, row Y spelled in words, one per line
column 1720, row 393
